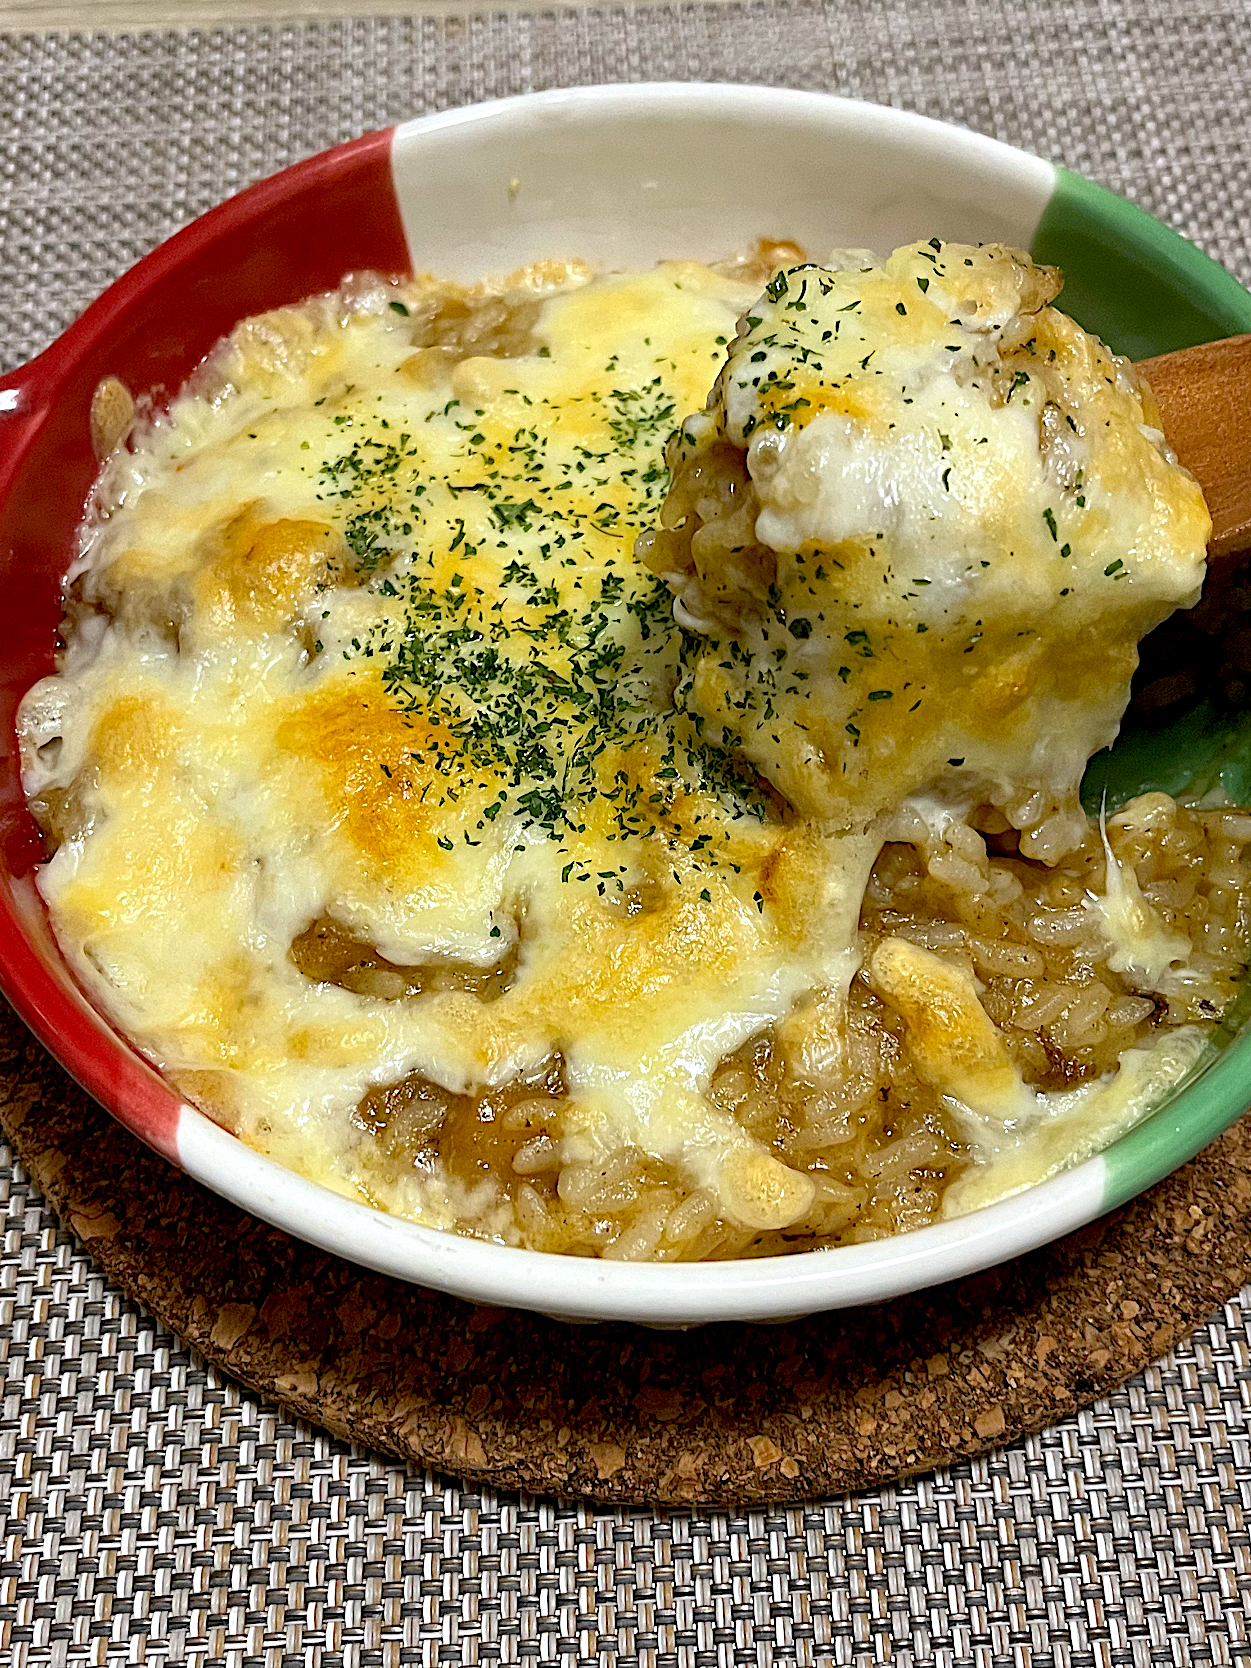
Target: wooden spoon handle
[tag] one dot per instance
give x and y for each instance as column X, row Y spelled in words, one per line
column 1204, row 396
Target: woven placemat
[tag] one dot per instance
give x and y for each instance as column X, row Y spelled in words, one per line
column 726, row 1414
column 154, row 1510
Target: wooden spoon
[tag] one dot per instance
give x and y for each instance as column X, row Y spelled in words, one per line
column 1204, row 395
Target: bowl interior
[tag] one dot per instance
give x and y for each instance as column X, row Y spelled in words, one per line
column 619, row 176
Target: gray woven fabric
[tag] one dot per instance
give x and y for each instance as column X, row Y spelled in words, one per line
column 156, row 1513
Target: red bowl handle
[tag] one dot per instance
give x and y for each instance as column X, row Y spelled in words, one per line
column 25, row 396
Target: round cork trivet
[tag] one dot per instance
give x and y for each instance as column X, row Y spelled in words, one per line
column 727, row 1414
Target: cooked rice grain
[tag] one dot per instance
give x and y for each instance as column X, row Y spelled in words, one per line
column 876, row 1140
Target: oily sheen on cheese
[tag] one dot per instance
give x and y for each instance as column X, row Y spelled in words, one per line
column 399, row 820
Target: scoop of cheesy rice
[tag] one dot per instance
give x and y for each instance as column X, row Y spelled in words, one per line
column 923, row 523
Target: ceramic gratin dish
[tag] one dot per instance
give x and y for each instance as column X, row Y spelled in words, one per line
column 621, row 176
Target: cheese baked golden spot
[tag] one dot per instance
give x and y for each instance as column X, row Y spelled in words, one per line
column 258, row 573
column 949, row 1036
column 395, row 816
column 945, row 522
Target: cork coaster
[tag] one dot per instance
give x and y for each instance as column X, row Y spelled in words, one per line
column 718, row 1415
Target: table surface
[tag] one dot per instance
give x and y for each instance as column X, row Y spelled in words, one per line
column 186, row 14
column 155, row 1512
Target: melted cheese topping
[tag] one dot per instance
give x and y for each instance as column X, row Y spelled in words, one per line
column 1063, row 1127
column 381, row 653
column 951, row 1040
column 967, row 524
column 370, row 645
